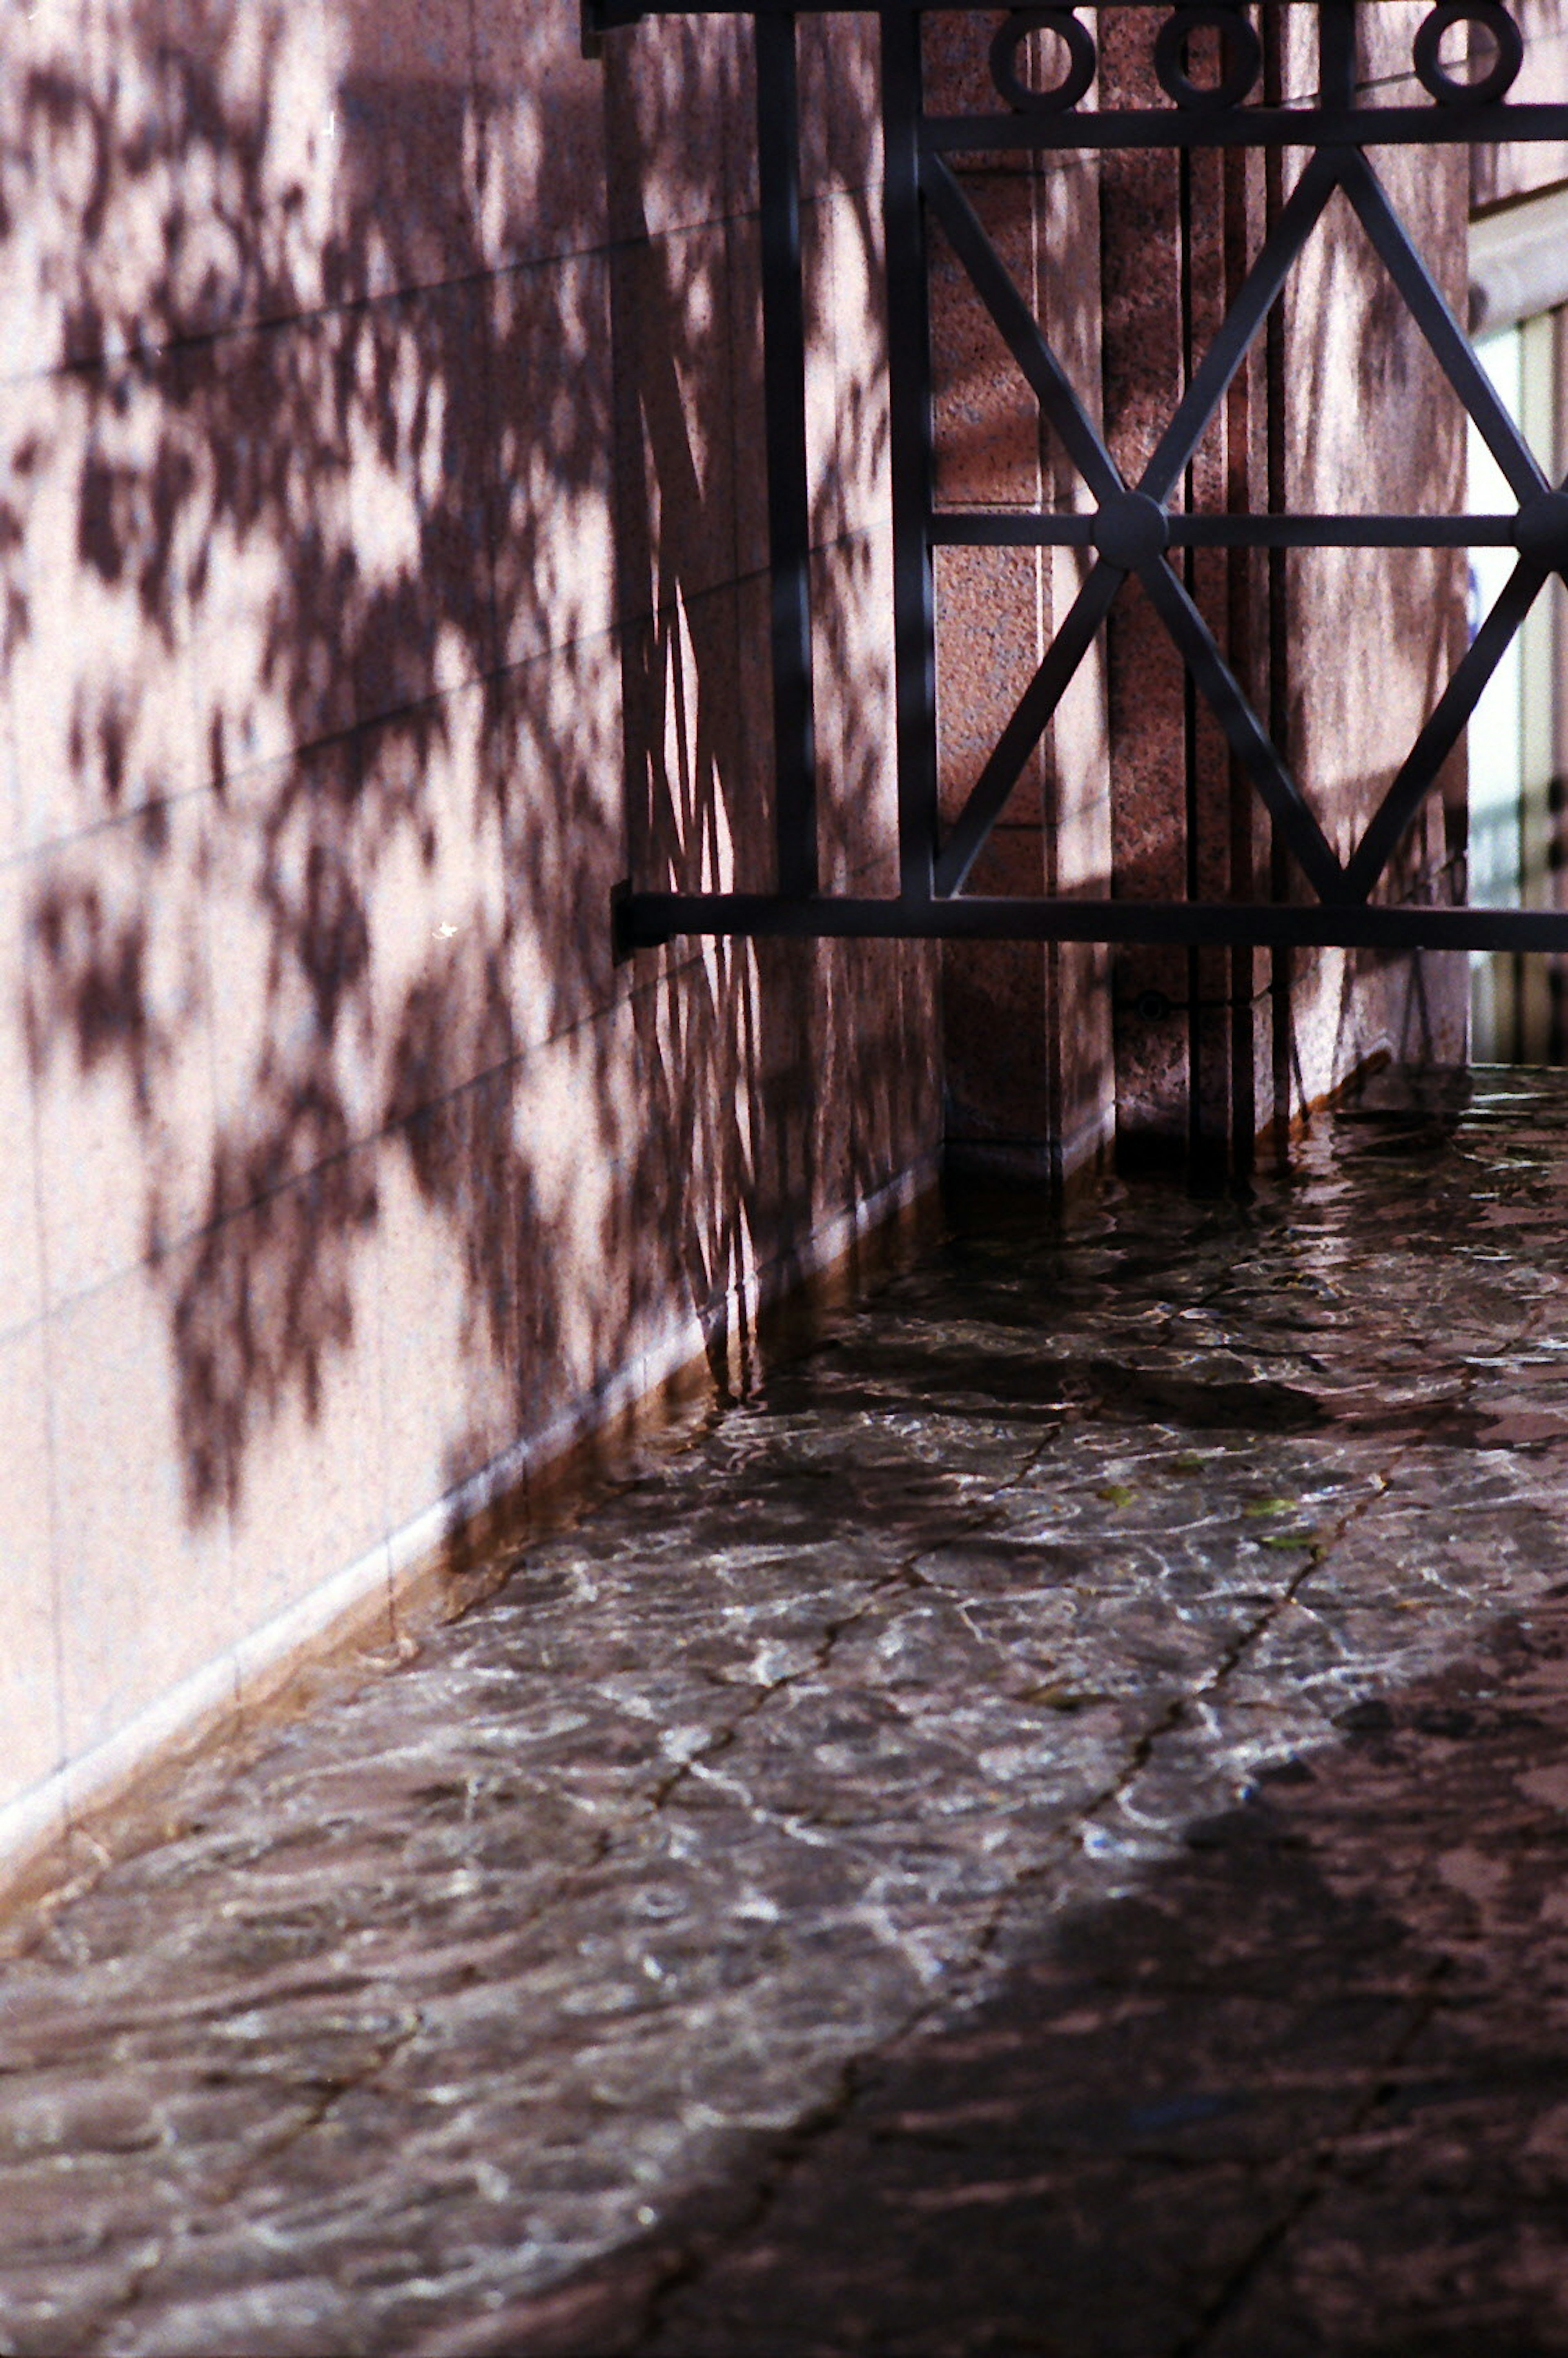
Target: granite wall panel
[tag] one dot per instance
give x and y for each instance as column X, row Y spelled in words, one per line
column 30, row 1697
column 1500, row 174
column 145, row 1589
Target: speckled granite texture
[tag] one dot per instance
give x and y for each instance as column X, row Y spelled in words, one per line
column 1044, row 1830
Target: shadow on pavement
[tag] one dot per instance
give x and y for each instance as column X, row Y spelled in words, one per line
column 1304, row 2090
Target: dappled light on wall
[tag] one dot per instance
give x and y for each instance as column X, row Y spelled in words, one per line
column 377, row 498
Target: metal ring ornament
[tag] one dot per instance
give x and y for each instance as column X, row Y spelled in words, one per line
column 1081, row 59
column 1241, row 55
column 1433, row 74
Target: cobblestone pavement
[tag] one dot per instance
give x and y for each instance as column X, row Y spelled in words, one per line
column 1045, row 1831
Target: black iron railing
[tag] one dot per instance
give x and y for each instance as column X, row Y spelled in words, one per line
column 1134, row 525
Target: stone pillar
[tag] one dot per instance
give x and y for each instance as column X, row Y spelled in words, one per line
column 1365, row 640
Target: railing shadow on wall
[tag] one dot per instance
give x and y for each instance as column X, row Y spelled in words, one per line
column 369, row 515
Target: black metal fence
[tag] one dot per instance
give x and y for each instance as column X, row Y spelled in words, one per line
column 1135, row 526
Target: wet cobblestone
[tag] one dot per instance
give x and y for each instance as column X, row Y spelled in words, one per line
column 1045, row 1830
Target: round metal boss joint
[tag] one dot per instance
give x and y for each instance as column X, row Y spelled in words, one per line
column 1434, row 76
column 1078, row 43
column 1241, row 56
column 1132, row 529
column 1541, row 530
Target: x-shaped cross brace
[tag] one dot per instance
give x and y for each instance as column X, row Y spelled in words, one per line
column 1133, row 526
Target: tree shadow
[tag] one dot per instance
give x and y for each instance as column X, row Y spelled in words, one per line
column 374, row 508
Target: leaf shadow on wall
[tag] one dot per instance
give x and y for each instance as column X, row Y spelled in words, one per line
column 354, row 492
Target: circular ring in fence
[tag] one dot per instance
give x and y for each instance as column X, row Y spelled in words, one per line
column 1448, row 89
column 1074, row 38
column 1241, row 56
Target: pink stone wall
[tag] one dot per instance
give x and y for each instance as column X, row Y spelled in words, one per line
column 1499, row 174
column 1367, row 420
column 380, row 423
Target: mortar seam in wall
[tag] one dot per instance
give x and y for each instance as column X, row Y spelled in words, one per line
column 136, row 351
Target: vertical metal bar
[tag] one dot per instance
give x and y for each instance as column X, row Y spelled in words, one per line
column 909, row 371
column 1336, row 54
column 1191, row 799
column 789, row 513
column 1281, row 1042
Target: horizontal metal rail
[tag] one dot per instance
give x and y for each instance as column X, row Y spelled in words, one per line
column 643, row 920
column 1245, row 126
column 1031, row 528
